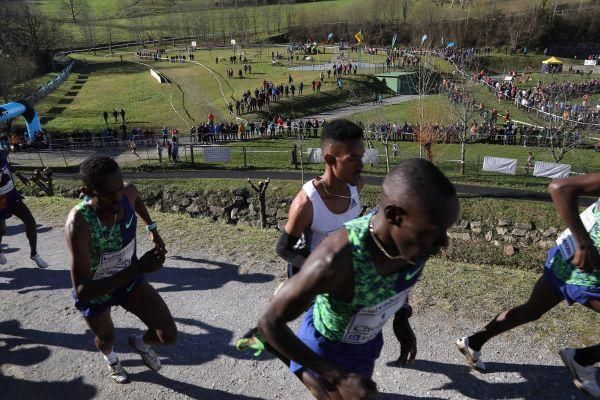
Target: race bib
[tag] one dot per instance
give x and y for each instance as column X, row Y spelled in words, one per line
column 111, row 263
column 566, row 242
column 368, row 322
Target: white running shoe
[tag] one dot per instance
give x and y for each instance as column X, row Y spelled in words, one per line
column 473, row 357
column 149, row 357
column 118, row 373
column 583, row 377
column 3, row 259
column 39, row 261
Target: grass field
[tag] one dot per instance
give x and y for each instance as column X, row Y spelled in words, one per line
column 106, row 83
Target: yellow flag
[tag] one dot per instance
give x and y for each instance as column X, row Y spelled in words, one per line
column 359, row 37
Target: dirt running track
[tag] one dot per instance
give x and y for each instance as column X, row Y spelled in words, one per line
column 47, row 352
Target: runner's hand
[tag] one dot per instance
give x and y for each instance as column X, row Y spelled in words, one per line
column 157, row 240
column 151, row 261
column 586, row 257
column 357, row 387
column 408, row 348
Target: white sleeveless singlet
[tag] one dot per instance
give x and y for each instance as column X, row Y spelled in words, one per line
column 324, row 222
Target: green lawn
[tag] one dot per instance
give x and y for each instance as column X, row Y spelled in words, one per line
column 107, row 83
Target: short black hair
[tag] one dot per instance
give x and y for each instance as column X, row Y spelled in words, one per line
column 340, row 130
column 418, row 180
column 96, row 168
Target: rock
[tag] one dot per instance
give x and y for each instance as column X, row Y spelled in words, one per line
column 546, row 244
column 234, row 215
column 158, row 206
column 167, row 195
column 271, row 212
column 176, row 209
column 476, row 224
column 281, row 224
column 488, row 236
column 509, row 250
column 281, row 214
column 504, row 222
column 533, row 236
column 465, row 236
column 496, row 243
column 217, row 211
column 193, row 210
column 501, row 231
column 462, row 224
column 551, row 232
column 185, row 202
column 476, row 229
column 519, row 232
column 524, row 225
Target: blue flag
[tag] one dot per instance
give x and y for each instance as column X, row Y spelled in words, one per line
column 330, row 36
column 423, row 39
column 394, row 40
column 450, row 44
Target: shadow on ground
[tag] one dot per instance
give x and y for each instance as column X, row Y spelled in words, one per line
column 553, row 381
column 201, row 278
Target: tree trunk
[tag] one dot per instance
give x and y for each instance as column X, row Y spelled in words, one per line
column 462, row 158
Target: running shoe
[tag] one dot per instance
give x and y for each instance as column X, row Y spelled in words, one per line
column 118, row 373
column 39, row 261
column 3, row 259
column 149, row 357
column 583, row 377
column 252, row 340
column 473, row 357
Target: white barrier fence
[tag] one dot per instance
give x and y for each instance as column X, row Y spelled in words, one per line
column 500, row 164
column 551, row 170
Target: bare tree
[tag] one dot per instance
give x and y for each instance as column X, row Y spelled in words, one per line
column 74, row 7
column 463, row 111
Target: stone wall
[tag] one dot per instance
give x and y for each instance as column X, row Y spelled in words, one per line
column 240, row 206
column 511, row 236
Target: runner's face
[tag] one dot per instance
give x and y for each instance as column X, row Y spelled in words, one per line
column 420, row 234
column 348, row 164
column 108, row 195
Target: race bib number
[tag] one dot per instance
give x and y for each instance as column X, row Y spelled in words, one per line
column 368, row 322
column 111, row 263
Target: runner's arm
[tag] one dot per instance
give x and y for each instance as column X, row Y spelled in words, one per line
column 565, row 193
column 318, row 275
column 77, row 235
column 299, row 218
column 140, row 208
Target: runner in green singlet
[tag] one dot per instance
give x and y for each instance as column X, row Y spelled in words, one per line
column 101, row 238
column 575, row 279
column 361, row 277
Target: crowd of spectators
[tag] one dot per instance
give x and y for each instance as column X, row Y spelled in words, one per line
column 552, row 99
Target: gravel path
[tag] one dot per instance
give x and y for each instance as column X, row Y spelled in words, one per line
column 46, row 350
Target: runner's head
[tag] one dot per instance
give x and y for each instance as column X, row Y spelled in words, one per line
column 102, row 182
column 343, row 148
column 419, row 204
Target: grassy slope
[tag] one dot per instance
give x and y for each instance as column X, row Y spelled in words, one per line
column 123, row 20
column 113, row 84
column 441, row 286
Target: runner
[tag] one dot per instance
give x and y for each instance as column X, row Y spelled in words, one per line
column 323, row 204
column 101, row 237
column 133, row 147
column 361, row 276
column 570, row 273
column 11, row 203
